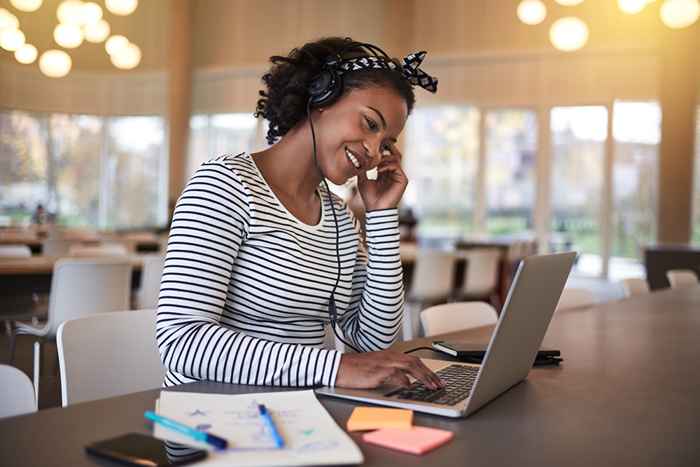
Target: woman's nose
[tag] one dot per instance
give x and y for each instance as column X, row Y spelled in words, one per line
column 373, row 152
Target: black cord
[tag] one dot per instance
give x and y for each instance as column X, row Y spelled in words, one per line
column 419, row 348
column 332, row 309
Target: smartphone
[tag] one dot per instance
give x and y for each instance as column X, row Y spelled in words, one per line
column 144, row 450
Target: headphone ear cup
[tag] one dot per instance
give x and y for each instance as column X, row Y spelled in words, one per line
column 325, row 88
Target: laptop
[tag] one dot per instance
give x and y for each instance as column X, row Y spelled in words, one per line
column 528, row 309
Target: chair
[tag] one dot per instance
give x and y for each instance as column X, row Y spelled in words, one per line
column 681, row 278
column 16, row 392
column 572, row 297
column 107, row 249
column 634, row 286
column 147, row 296
column 457, row 316
column 431, row 283
column 80, row 287
column 108, row 354
column 15, row 251
column 481, row 275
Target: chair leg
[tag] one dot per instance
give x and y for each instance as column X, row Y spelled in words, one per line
column 11, row 338
column 37, row 369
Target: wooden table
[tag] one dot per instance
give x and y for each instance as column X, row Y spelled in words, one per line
column 627, row 395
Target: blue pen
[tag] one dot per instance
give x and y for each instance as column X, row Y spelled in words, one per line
column 219, row 443
column 270, row 424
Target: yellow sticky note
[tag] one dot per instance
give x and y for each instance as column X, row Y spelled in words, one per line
column 372, row 418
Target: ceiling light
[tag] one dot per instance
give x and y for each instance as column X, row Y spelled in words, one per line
column 532, row 11
column 69, row 36
column 678, row 14
column 11, row 39
column 115, row 43
column 70, row 11
column 55, row 63
column 568, row 34
column 569, row 2
column 26, row 54
column 121, row 7
column 127, row 58
column 97, row 32
column 26, row 5
column 90, row 13
column 631, row 7
column 8, row 20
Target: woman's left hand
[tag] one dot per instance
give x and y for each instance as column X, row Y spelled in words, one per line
column 386, row 191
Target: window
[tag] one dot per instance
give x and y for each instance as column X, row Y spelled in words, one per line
column 441, row 160
column 578, row 153
column 511, row 146
column 696, row 198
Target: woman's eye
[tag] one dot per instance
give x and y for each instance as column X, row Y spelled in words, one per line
column 371, row 124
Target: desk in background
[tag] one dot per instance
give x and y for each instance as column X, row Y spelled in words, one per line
column 626, row 395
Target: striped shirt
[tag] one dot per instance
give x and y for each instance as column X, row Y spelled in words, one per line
column 245, row 287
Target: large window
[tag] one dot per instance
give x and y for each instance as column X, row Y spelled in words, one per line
column 578, row 155
column 86, row 170
column 441, row 158
column 511, row 146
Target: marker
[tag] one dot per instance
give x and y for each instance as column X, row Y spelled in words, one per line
column 219, row 443
column 270, row 424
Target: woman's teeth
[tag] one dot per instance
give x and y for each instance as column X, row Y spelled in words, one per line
column 353, row 159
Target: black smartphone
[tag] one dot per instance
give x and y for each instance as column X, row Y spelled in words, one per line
column 143, row 450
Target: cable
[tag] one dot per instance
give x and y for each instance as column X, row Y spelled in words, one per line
column 332, row 309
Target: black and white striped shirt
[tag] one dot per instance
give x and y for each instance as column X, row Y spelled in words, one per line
column 245, row 287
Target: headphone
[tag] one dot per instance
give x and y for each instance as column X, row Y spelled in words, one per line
column 324, row 89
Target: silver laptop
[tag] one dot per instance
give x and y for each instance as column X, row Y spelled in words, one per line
column 510, row 354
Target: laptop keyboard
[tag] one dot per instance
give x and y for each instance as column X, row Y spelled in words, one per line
column 458, row 380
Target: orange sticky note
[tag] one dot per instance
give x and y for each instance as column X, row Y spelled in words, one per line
column 417, row 440
column 373, row 418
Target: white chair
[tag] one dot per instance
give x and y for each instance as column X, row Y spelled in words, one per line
column 481, row 275
column 15, row 251
column 634, row 286
column 16, row 392
column 431, row 283
column 681, row 278
column 80, row 287
column 108, row 354
column 572, row 297
column 147, row 296
column 457, row 316
column 107, row 249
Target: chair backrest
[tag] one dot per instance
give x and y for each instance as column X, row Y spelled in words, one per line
column 15, row 251
column 572, row 297
column 108, row 354
column 481, row 276
column 457, row 316
column 84, row 286
column 679, row 278
column 150, row 281
column 432, row 275
column 635, row 286
column 106, row 249
column 16, row 392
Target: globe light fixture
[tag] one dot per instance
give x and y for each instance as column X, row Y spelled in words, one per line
column 568, row 34
column 11, row 39
column 68, row 35
column 70, row 12
column 532, row 11
column 116, row 43
column 631, row 7
column 55, row 63
column 96, row 32
column 90, row 13
column 679, row 14
column 569, row 2
column 121, row 7
column 8, row 20
column 26, row 54
column 127, row 58
column 26, row 5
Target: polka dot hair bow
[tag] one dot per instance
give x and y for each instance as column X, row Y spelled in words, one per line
column 410, row 68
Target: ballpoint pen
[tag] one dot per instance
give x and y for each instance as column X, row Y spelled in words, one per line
column 270, row 424
column 217, row 442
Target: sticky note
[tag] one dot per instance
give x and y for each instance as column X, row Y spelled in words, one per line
column 373, row 418
column 417, row 440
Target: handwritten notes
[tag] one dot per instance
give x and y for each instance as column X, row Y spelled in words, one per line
column 311, row 436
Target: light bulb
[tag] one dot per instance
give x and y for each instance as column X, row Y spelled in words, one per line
column 568, row 34
column 121, row 7
column 127, row 58
column 70, row 11
column 11, row 39
column 26, row 54
column 26, row 5
column 90, row 13
column 97, row 32
column 678, row 14
column 69, row 36
column 532, row 11
column 55, row 63
column 8, row 20
column 569, row 2
column 115, row 43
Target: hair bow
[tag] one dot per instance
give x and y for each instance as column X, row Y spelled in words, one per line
column 410, row 69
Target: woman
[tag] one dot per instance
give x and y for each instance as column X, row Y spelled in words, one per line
column 261, row 263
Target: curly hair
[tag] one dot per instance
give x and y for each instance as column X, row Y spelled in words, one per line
column 283, row 103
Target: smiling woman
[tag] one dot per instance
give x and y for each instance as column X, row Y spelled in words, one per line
column 263, row 260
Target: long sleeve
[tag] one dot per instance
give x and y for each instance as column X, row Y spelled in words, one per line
column 210, row 223
column 378, row 292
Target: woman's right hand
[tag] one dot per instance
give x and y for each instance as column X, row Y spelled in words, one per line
column 385, row 367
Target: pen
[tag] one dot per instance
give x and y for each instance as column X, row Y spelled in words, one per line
column 270, row 424
column 219, row 443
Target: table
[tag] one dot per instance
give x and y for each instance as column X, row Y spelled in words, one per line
column 626, row 395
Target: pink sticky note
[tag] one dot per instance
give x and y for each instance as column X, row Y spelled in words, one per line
column 417, row 440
